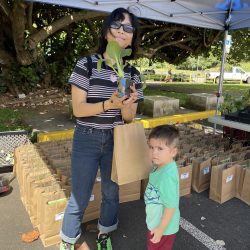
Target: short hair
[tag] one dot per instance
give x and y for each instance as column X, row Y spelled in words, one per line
column 118, row 15
column 169, row 133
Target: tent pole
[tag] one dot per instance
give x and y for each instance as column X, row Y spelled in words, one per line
column 223, row 60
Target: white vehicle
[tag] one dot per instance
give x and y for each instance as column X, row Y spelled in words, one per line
column 236, row 74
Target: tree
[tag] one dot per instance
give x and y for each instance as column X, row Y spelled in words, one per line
column 39, row 40
column 174, row 43
column 240, row 47
column 40, row 43
column 199, row 62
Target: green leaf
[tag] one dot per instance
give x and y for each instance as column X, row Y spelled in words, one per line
column 114, row 50
column 143, row 81
column 109, row 63
column 120, row 70
column 126, row 52
column 116, row 53
column 99, row 64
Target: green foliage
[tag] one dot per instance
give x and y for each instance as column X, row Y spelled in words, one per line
column 11, row 120
column 245, row 66
column 143, row 80
column 239, row 52
column 153, row 77
column 116, row 53
column 176, row 77
column 59, row 51
column 27, row 75
column 26, row 78
column 180, row 77
column 141, row 62
column 60, row 74
column 199, row 62
column 228, row 67
column 160, row 65
column 3, row 84
column 233, row 103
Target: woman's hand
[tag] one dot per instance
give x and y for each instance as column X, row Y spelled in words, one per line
column 129, row 108
column 132, row 98
column 117, row 102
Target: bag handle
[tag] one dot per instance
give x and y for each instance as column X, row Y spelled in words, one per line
column 89, row 65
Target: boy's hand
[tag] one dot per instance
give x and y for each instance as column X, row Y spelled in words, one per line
column 157, row 234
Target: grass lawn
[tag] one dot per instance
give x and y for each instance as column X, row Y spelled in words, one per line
column 227, row 87
column 180, row 89
column 11, row 120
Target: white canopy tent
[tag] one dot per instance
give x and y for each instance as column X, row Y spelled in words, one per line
column 222, row 15
column 211, row 14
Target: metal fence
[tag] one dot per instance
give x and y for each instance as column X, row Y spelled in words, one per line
column 8, row 142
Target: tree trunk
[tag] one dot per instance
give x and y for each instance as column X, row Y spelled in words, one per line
column 11, row 87
column 44, row 33
column 23, row 56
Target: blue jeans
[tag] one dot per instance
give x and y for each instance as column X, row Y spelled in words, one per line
column 92, row 148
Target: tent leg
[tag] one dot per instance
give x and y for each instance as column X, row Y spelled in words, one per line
column 223, row 60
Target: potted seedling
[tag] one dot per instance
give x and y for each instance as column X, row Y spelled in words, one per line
column 116, row 62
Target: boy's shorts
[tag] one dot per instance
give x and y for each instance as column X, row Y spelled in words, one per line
column 166, row 242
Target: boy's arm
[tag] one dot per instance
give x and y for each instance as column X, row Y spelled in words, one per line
column 166, row 218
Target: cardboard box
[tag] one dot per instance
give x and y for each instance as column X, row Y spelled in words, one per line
column 130, row 192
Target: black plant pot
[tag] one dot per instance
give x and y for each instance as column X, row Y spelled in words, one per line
column 124, row 86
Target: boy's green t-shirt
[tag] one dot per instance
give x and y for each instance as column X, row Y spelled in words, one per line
column 163, row 192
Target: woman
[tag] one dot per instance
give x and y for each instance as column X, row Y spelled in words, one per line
column 98, row 109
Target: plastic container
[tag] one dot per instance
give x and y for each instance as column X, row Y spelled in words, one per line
column 4, row 184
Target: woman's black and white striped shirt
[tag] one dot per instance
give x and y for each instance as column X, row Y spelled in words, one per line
column 100, row 85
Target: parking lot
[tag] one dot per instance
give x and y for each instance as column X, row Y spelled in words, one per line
column 203, row 223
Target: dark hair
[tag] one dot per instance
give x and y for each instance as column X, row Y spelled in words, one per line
column 118, row 15
column 168, row 133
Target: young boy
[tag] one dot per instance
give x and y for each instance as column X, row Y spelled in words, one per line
column 162, row 192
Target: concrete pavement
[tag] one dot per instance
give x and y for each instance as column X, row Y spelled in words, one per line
column 204, row 221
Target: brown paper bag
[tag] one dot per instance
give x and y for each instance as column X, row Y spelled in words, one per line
column 131, row 158
column 245, row 193
column 239, row 180
column 185, row 174
column 245, row 155
column 221, row 158
column 201, row 174
column 222, row 184
column 53, row 212
column 241, row 167
column 45, row 196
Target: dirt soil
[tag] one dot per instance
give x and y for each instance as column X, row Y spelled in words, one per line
column 45, row 110
column 48, row 110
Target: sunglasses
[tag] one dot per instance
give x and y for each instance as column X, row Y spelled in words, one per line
column 126, row 27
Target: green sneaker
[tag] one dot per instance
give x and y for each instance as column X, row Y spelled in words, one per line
column 104, row 242
column 66, row 246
